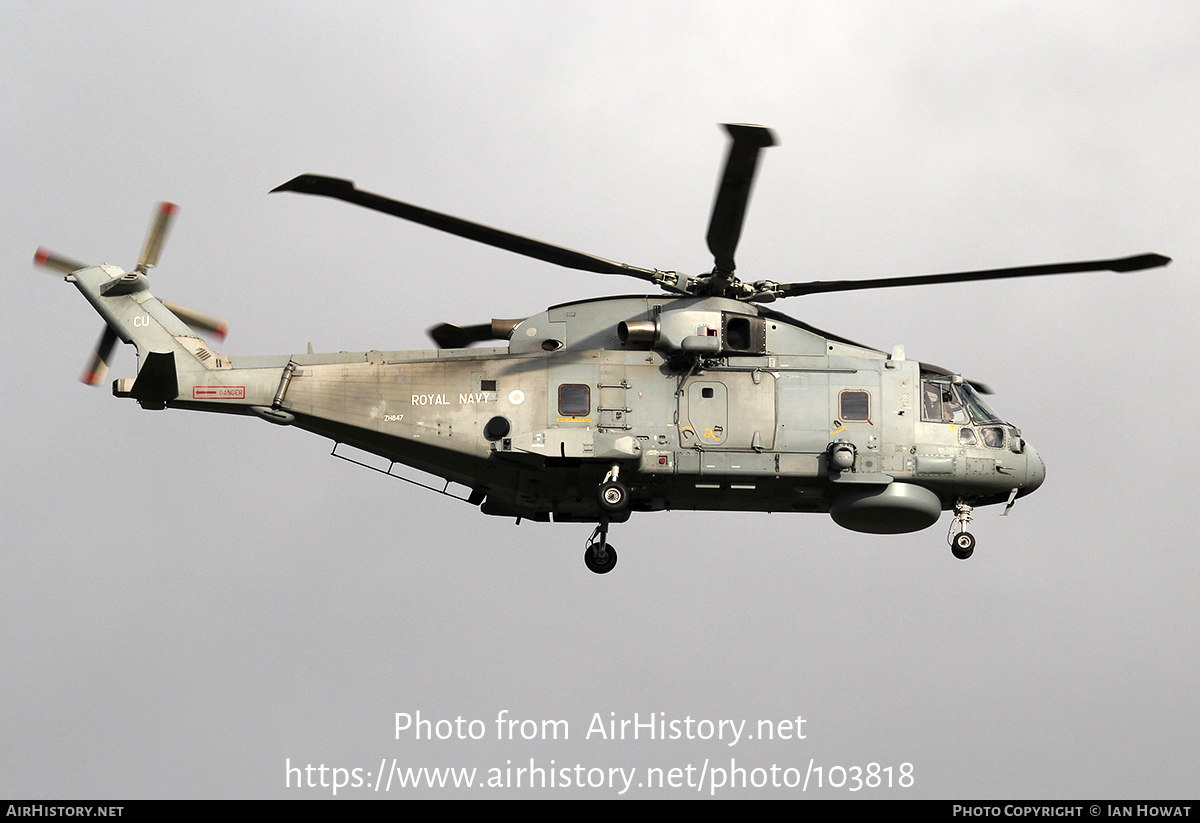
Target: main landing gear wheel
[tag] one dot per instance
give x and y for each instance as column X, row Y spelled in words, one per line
column 600, row 557
column 963, row 545
column 613, row 496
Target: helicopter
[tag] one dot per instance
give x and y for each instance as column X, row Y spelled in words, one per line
column 699, row 397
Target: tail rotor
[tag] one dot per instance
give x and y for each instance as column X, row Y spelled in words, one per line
column 97, row 368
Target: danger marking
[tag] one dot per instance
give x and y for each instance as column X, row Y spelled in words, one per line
column 218, row 392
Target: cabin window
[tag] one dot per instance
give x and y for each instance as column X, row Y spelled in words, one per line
column 856, row 405
column 574, row 400
column 966, row 437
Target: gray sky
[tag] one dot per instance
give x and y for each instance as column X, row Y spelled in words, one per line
column 188, row 601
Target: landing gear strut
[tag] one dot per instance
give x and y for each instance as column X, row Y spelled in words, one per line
column 599, row 556
column 962, row 545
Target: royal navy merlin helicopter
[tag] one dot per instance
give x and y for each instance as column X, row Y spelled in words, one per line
column 699, row 397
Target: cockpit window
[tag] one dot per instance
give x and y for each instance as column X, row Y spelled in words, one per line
column 942, row 403
column 931, row 402
column 953, row 410
column 945, row 402
column 979, row 409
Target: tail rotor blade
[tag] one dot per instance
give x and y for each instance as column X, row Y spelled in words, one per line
column 157, row 235
column 50, row 260
column 97, row 368
column 215, row 326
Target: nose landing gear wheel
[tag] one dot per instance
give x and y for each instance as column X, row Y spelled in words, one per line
column 963, row 545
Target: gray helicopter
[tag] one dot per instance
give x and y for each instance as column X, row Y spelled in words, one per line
column 696, row 398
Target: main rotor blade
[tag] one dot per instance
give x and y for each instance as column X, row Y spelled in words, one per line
column 450, row 336
column 97, row 367
column 345, row 190
column 811, row 328
column 729, row 207
column 50, row 260
column 1121, row 264
column 157, row 236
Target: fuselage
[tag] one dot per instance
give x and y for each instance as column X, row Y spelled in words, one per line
column 698, row 403
column 750, row 423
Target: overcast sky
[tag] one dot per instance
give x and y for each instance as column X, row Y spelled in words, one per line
column 189, row 603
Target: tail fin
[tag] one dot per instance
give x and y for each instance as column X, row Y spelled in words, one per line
column 159, row 331
column 133, row 315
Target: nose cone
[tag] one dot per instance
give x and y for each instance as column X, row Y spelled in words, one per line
column 1035, row 472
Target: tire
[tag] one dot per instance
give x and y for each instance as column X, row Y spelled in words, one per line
column 597, row 566
column 613, row 496
column 963, row 545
